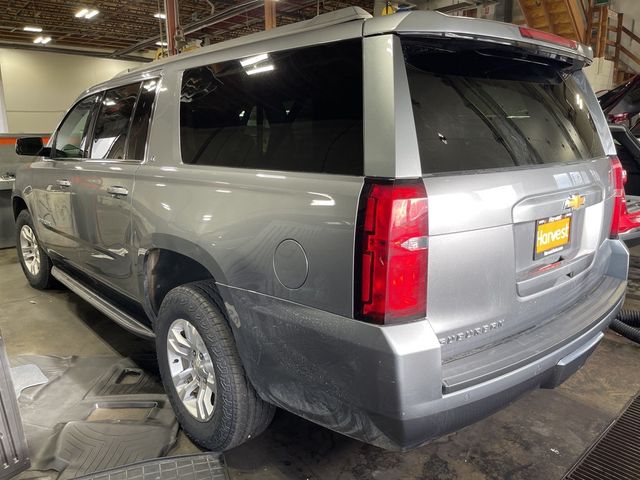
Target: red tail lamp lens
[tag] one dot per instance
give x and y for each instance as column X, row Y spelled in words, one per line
column 391, row 261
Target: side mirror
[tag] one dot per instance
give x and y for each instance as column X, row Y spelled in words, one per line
column 30, row 146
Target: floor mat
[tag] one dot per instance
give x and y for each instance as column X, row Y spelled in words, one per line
column 95, row 413
column 205, row 466
column 87, row 447
column 614, row 455
column 25, row 376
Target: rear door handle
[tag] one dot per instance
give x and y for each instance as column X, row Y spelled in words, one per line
column 117, row 191
column 63, row 182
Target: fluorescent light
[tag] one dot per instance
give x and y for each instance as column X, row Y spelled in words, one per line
column 266, row 68
column 37, row 40
column 161, row 44
column 42, row 40
column 160, row 15
column 32, row 29
column 252, row 60
column 87, row 14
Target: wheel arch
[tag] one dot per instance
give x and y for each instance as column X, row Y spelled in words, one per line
column 170, row 261
column 18, row 204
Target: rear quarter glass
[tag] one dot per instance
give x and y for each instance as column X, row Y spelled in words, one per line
column 491, row 107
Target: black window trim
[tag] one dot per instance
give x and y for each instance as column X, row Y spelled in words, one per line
column 157, row 76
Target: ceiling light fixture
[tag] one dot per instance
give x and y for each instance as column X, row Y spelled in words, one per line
column 42, row 40
column 32, row 29
column 161, row 44
column 160, row 15
column 87, row 14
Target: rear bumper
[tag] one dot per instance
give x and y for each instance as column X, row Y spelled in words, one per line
column 384, row 385
column 463, row 407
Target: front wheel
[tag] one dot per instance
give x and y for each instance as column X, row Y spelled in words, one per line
column 35, row 263
column 202, row 373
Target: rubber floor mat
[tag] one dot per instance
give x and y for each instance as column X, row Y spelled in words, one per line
column 94, row 413
column 25, row 376
column 205, row 466
column 615, row 455
column 87, row 447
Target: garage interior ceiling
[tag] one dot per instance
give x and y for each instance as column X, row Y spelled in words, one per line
column 125, row 28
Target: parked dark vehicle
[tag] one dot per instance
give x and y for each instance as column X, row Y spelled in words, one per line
column 628, row 149
column 621, row 105
column 390, row 226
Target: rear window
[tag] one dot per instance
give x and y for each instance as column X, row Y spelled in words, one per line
column 479, row 108
column 297, row 110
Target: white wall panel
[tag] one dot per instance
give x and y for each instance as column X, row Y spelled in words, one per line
column 40, row 86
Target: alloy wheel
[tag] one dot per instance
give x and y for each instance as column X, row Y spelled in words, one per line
column 30, row 250
column 191, row 370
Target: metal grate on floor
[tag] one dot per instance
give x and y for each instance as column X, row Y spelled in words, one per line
column 615, row 455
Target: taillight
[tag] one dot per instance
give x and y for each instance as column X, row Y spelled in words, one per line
column 391, row 254
column 547, row 37
column 620, row 220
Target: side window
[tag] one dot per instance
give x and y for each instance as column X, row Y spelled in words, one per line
column 71, row 138
column 140, row 124
column 297, row 110
column 112, row 123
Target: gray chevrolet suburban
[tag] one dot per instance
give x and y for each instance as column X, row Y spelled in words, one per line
column 389, row 226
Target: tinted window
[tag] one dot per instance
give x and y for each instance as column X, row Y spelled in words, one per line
column 486, row 108
column 71, row 139
column 298, row 110
column 112, row 124
column 140, row 123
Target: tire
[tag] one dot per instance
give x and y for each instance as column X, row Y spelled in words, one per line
column 34, row 261
column 230, row 411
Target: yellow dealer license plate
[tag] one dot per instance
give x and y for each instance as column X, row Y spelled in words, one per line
column 553, row 235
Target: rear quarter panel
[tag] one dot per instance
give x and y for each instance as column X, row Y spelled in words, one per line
column 238, row 218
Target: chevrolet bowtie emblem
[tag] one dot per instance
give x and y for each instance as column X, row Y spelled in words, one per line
column 574, row 202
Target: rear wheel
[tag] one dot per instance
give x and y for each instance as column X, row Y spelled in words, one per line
column 202, row 373
column 35, row 263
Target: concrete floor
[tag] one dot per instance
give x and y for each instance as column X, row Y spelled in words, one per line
column 537, row 437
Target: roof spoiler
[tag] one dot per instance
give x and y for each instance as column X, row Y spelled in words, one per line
column 439, row 24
